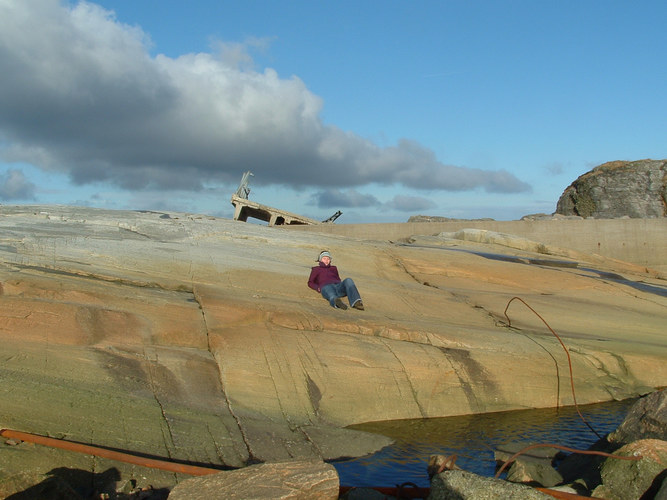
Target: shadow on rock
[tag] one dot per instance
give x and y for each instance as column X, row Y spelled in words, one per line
column 63, row 483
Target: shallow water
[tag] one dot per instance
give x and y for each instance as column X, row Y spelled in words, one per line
column 473, row 439
column 653, row 288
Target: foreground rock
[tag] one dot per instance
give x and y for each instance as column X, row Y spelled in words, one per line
column 633, row 471
column 640, row 475
column 275, row 481
column 634, row 479
column 197, row 339
column 462, row 485
column 647, row 419
column 635, row 189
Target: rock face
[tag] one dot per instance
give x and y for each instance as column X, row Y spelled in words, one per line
column 635, row 189
column 197, row 339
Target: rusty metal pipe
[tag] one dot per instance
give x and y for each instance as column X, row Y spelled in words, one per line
column 191, row 470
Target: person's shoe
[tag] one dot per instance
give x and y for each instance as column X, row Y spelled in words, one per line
column 340, row 304
column 359, row 305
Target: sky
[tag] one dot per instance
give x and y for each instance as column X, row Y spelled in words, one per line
column 380, row 109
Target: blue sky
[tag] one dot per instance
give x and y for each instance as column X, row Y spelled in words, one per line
column 380, row 109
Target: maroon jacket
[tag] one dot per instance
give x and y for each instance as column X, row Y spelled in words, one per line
column 323, row 275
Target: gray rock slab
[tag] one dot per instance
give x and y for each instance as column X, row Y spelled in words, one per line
column 462, row 485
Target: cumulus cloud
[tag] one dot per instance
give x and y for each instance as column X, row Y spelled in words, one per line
column 350, row 198
column 81, row 94
column 410, row 203
column 14, row 186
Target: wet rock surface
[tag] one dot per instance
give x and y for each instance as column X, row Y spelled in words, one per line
column 196, row 339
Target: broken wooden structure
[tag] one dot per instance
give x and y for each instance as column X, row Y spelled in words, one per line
column 244, row 208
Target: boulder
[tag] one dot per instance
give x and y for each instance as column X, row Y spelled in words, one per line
column 532, row 467
column 636, row 189
column 533, row 472
column 634, row 479
column 299, row 480
column 647, row 419
column 462, row 485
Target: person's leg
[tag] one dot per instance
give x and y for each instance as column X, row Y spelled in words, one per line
column 352, row 292
column 332, row 292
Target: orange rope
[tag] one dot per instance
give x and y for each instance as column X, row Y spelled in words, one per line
column 569, row 360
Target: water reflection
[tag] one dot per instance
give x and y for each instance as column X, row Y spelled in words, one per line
column 637, row 285
column 472, row 438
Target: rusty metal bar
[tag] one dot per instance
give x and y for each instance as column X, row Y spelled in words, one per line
column 165, row 465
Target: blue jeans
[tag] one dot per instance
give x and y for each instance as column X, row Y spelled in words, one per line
column 345, row 288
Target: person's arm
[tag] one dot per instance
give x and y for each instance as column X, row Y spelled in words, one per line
column 314, row 278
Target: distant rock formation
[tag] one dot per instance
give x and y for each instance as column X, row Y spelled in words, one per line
column 616, row 189
column 437, row 218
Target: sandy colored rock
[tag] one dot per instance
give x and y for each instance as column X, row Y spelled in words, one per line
column 197, row 339
column 271, row 481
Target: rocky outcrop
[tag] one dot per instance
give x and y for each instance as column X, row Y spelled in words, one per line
column 636, row 189
column 197, row 339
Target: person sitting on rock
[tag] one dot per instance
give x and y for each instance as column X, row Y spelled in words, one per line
column 324, row 278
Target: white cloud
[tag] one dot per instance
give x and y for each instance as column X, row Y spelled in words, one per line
column 344, row 199
column 15, row 186
column 81, row 94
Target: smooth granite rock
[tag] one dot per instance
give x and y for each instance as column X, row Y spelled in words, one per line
column 196, row 339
